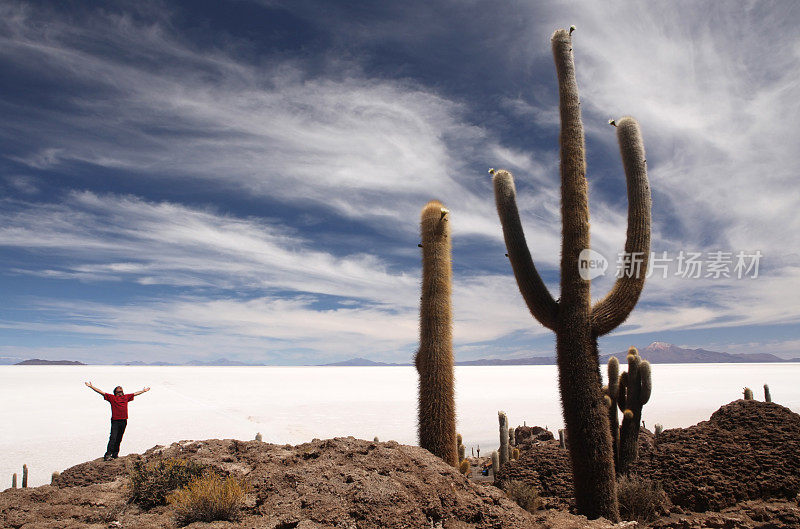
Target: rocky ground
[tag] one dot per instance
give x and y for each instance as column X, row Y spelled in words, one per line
column 740, row 469
column 344, row 483
column 742, row 466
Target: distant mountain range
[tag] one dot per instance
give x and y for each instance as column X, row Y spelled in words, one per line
column 360, row 362
column 38, row 362
column 655, row 353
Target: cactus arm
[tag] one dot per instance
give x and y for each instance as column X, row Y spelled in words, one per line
column 574, row 188
column 539, row 300
column 618, row 304
column 647, row 384
column 622, row 391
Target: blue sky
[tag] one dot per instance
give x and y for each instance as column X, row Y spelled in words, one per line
column 243, row 179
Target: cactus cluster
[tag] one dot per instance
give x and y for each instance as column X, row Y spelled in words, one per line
column 576, row 323
column 434, row 359
column 633, row 392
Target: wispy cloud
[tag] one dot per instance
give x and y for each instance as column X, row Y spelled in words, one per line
column 139, row 103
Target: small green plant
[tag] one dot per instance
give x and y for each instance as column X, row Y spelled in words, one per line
column 149, row 484
column 526, row 495
column 209, row 498
column 640, row 499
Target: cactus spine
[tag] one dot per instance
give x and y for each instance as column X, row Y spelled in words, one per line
column 24, row 476
column 495, row 464
column 576, row 323
column 634, row 391
column 503, row 419
column 748, row 394
column 434, row 359
column 767, row 395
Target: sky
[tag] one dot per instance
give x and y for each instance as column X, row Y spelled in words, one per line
column 243, row 179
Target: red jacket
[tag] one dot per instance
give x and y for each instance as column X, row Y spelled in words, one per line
column 119, row 404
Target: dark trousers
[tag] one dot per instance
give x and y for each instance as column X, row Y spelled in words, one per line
column 115, row 438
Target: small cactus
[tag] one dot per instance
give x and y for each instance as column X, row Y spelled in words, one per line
column 611, row 392
column 515, row 454
column 459, row 439
column 461, row 452
column 512, row 437
column 376, row 440
column 259, row 437
column 14, row 480
column 465, row 467
column 659, row 429
column 503, row 419
column 767, row 395
column 635, row 387
column 54, row 477
column 495, row 464
column 748, row 394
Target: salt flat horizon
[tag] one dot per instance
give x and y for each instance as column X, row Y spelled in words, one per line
column 52, row 421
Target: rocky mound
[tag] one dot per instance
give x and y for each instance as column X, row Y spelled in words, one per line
column 747, row 450
column 341, row 482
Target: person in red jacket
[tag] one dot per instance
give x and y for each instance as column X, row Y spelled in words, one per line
column 119, row 417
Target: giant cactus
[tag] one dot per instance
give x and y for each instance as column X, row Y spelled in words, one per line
column 634, row 391
column 434, row 359
column 576, row 323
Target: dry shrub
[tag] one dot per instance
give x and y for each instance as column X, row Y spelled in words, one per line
column 149, row 484
column 640, row 499
column 526, row 495
column 209, row 498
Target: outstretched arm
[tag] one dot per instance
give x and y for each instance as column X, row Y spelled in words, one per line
column 100, row 391
column 145, row 390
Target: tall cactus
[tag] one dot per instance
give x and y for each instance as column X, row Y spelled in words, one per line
column 767, row 394
column 503, row 420
column 576, row 323
column 24, row 476
column 611, row 391
column 635, row 388
column 434, row 359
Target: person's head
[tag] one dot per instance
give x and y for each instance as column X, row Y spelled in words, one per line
column 118, row 390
